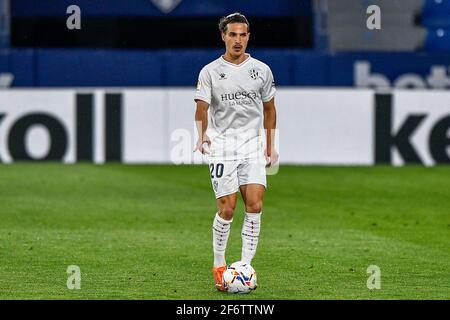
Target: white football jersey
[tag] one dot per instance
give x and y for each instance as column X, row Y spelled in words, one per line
column 235, row 94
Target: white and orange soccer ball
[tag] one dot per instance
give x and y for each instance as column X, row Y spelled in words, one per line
column 239, row 277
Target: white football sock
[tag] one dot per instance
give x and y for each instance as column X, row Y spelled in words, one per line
column 221, row 231
column 250, row 236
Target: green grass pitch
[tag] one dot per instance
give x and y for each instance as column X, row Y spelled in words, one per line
column 144, row 232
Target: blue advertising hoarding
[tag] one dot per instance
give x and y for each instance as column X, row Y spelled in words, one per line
column 100, row 68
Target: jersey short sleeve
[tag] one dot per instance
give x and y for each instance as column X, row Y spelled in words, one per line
column 268, row 88
column 204, row 87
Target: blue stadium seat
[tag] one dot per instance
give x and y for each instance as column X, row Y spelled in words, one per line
column 438, row 40
column 436, row 14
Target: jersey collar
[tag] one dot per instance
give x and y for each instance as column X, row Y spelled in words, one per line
column 236, row 65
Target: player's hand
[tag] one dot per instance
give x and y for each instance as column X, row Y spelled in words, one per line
column 203, row 145
column 271, row 157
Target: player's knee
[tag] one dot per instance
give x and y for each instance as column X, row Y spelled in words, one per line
column 254, row 207
column 227, row 213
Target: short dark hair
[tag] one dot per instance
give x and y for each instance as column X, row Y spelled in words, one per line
column 236, row 17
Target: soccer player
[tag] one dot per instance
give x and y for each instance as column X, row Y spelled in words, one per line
column 238, row 93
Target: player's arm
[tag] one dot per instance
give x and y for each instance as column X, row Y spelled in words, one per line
column 201, row 121
column 270, row 124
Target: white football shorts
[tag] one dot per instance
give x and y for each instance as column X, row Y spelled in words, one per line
column 228, row 175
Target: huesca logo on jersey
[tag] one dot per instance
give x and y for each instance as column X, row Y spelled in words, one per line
column 239, row 95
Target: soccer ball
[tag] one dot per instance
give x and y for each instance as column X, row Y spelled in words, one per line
column 239, row 277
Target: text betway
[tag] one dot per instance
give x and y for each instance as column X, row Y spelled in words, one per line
column 365, row 78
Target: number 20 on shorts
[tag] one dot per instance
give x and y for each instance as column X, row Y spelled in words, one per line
column 217, row 170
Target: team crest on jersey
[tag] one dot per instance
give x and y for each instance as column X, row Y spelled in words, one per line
column 254, row 74
column 223, row 76
column 215, row 185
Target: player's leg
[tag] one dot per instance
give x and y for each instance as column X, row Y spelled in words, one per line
column 221, row 231
column 221, row 227
column 252, row 183
column 225, row 185
column 252, row 195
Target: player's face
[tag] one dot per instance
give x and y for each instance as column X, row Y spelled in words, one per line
column 236, row 39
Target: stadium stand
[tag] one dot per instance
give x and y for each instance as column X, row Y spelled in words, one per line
column 438, row 40
column 145, row 24
column 435, row 17
column 436, row 14
column 4, row 23
column 307, row 43
column 346, row 29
